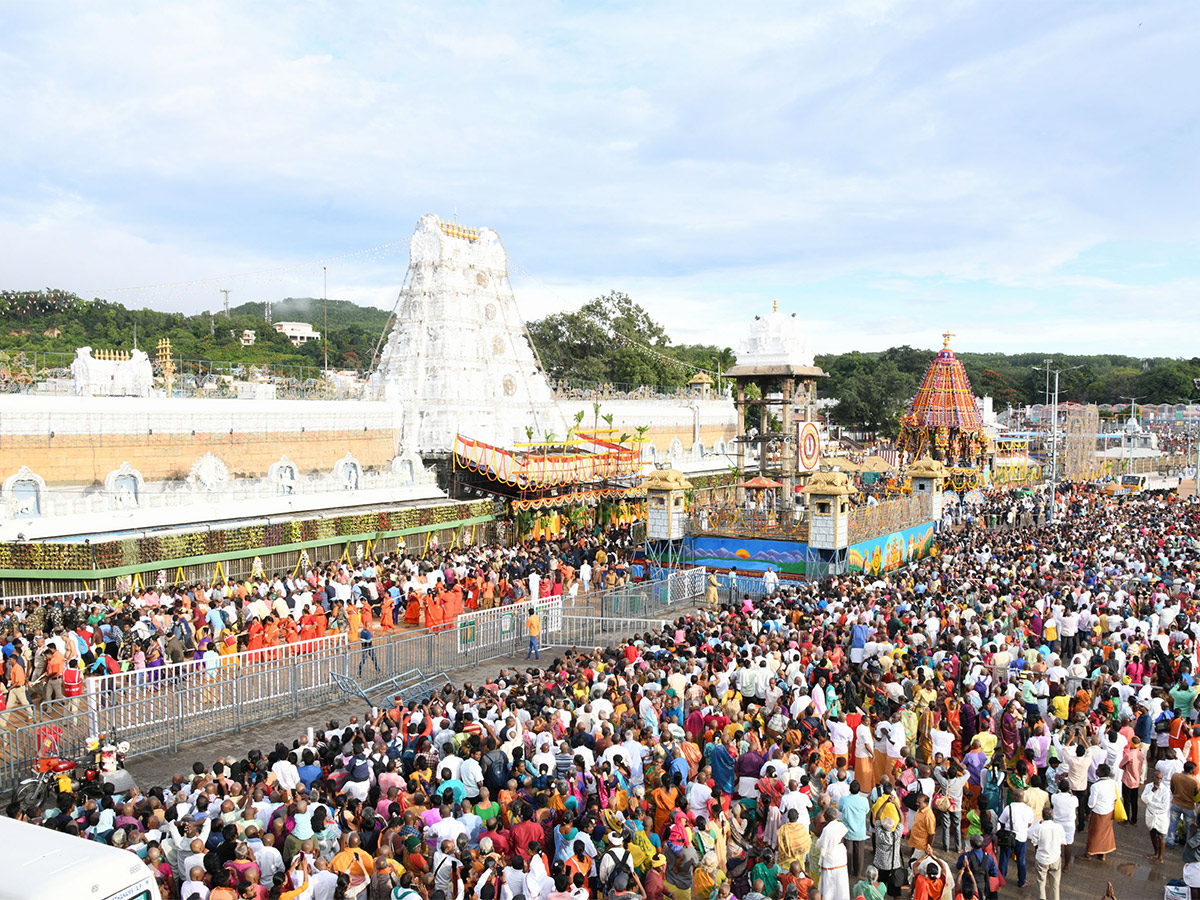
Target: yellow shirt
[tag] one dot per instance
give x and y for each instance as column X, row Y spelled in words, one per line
column 1060, row 706
column 987, row 742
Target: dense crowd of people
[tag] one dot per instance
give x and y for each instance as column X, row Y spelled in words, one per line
column 51, row 646
column 983, row 717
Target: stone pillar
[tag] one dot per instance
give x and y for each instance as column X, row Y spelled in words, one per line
column 789, row 448
column 763, row 415
column 740, row 495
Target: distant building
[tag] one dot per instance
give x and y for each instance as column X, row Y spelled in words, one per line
column 299, row 333
column 249, row 337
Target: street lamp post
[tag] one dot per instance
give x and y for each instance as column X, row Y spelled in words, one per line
column 1054, row 440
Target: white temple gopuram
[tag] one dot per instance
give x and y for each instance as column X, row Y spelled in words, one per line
column 457, row 360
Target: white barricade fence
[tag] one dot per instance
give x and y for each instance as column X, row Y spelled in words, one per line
column 485, row 629
column 23, row 600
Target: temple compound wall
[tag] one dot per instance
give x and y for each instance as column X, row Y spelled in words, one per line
column 77, row 440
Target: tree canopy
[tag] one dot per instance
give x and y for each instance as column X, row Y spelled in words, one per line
column 613, row 340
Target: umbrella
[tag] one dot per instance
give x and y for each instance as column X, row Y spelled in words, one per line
column 760, row 484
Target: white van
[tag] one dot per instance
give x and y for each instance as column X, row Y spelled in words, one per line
column 40, row 864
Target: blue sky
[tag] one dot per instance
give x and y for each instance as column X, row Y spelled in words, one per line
column 1022, row 173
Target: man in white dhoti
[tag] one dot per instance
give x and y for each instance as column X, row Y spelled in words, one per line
column 835, row 878
column 1156, row 796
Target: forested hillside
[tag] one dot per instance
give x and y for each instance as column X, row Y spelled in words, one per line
column 61, row 321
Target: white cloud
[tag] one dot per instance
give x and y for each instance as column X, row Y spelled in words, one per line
column 860, row 163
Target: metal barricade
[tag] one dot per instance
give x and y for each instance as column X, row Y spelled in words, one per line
column 586, row 632
column 164, row 708
column 206, row 708
column 657, row 594
column 266, row 690
column 733, row 588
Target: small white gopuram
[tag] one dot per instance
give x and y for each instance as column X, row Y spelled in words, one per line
column 458, row 360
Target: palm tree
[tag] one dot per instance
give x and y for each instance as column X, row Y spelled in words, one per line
column 723, row 362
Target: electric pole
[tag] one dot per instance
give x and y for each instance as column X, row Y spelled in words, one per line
column 325, row 299
column 225, row 291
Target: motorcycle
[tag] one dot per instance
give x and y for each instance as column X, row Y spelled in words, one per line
column 52, row 777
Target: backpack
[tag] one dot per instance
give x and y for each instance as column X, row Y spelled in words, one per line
column 991, row 791
column 496, row 774
column 360, row 768
column 622, row 864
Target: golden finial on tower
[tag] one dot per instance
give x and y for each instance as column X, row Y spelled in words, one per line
column 946, row 335
column 776, row 306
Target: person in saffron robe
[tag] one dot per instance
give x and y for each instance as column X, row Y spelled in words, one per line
column 254, row 639
column 385, row 617
column 321, row 621
column 271, row 637
column 227, row 647
column 412, row 613
column 291, row 632
column 308, row 628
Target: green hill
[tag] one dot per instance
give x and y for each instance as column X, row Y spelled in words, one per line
column 56, row 322
column 342, row 313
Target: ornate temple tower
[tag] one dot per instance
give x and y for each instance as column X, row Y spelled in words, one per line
column 943, row 421
column 776, row 360
column 458, row 360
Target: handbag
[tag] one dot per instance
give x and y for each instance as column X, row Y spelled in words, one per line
column 1005, row 839
column 1119, row 814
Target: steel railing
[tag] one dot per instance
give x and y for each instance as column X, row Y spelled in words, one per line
column 164, row 708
